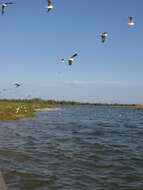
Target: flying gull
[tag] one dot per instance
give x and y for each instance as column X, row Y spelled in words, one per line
column 131, row 21
column 4, row 5
column 17, row 85
column 71, row 59
column 49, row 6
column 103, row 36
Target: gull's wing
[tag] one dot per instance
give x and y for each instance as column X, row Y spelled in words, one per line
column 9, row 3
column 73, row 56
column 62, row 60
column 17, row 84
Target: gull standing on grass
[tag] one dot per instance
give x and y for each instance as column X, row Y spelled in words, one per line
column 17, row 110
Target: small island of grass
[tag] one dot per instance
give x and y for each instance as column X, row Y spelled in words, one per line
column 16, row 109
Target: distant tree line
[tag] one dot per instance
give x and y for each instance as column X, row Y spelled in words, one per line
column 64, row 102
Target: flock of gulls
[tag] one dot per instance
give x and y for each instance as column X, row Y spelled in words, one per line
column 69, row 60
column 49, row 7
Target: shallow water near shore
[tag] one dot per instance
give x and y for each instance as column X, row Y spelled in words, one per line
column 76, row 148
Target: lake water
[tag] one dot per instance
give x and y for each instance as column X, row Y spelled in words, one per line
column 77, row 148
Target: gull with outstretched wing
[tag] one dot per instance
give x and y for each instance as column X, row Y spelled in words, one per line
column 49, row 6
column 4, row 5
column 131, row 21
column 71, row 59
column 103, row 36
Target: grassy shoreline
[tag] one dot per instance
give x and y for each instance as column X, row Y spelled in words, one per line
column 17, row 109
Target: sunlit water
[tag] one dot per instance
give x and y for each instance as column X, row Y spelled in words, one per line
column 77, row 148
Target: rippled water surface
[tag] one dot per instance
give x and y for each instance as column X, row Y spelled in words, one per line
column 77, row 148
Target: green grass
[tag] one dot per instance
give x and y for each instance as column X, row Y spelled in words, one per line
column 27, row 108
column 16, row 109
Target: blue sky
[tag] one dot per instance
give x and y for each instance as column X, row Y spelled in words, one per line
column 32, row 42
